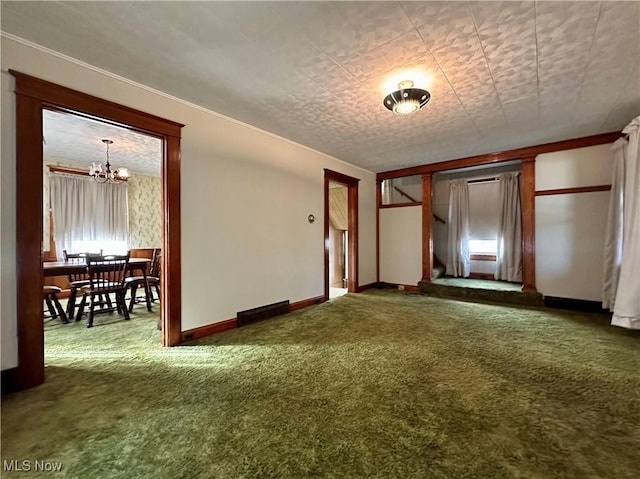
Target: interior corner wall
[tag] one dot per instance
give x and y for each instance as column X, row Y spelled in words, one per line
column 245, row 198
column 570, row 227
column 401, row 245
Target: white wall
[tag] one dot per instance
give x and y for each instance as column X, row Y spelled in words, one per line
column 255, row 249
column 570, row 228
column 401, row 245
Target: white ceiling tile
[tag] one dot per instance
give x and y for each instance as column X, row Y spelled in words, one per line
column 565, row 28
column 501, row 74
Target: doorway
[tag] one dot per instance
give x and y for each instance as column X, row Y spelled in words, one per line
column 340, row 234
column 33, row 96
column 338, row 239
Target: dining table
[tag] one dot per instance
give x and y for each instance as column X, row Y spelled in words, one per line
column 64, row 268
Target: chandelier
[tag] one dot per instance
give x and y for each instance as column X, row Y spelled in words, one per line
column 406, row 99
column 107, row 176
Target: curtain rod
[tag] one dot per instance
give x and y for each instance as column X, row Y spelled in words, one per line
column 483, row 180
column 70, row 171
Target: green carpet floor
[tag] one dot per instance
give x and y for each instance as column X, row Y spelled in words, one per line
column 478, row 284
column 375, row 385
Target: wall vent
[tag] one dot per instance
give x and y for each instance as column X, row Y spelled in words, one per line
column 262, row 312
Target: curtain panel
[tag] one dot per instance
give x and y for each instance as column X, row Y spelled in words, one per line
column 84, row 210
column 458, row 257
column 626, row 310
column 509, row 248
column 614, row 228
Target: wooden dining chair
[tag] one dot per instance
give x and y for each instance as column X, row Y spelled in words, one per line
column 152, row 279
column 77, row 280
column 50, row 297
column 106, row 276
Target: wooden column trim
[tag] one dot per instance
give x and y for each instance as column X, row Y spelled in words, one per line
column 427, row 236
column 170, row 286
column 528, row 224
column 353, row 237
column 29, row 153
column 378, row 204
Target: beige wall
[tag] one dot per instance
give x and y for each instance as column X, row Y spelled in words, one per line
column 570, row 228
column 245, row 198
column 401, row 245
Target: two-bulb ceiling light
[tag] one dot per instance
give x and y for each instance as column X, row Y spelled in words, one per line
column 106, row 175
column 406, row 99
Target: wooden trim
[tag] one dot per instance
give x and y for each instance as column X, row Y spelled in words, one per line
column 498, row 157
column 209, row 329
column 326, row 237
column 528, row 225
column 29, row 158
column 78, row 102
column 485, row 276
column 367, row 286
column 427, row 233
column 378, row 203
column 305, row 303
column 226, row 325
column 352, row 205
column 353, row 238
column 171, row 268
column 483, row 257
column 577, row 189
column 401, row 205
column 338, row 177
column 32, row 96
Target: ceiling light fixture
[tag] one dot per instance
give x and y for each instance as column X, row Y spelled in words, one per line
column 106, row 175
column 406, row 99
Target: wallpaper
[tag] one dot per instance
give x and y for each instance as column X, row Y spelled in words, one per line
column 145, row 212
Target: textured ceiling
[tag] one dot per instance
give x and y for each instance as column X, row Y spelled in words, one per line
column 501, row 74
column 77, row 141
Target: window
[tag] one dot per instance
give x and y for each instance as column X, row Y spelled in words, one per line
column 95, row 246
column 484, row 246
column 399, row 191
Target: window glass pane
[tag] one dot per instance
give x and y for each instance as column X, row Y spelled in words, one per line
column 489, row 246
column 407, row 189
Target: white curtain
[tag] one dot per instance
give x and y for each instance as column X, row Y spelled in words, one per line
column 88, row 213
column 458, row 258
column 626, row 311
column 509, row 251
column 614, row 230
column 387, row 192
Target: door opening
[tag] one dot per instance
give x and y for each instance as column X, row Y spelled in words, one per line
column 34, row 95
column 340, row 234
